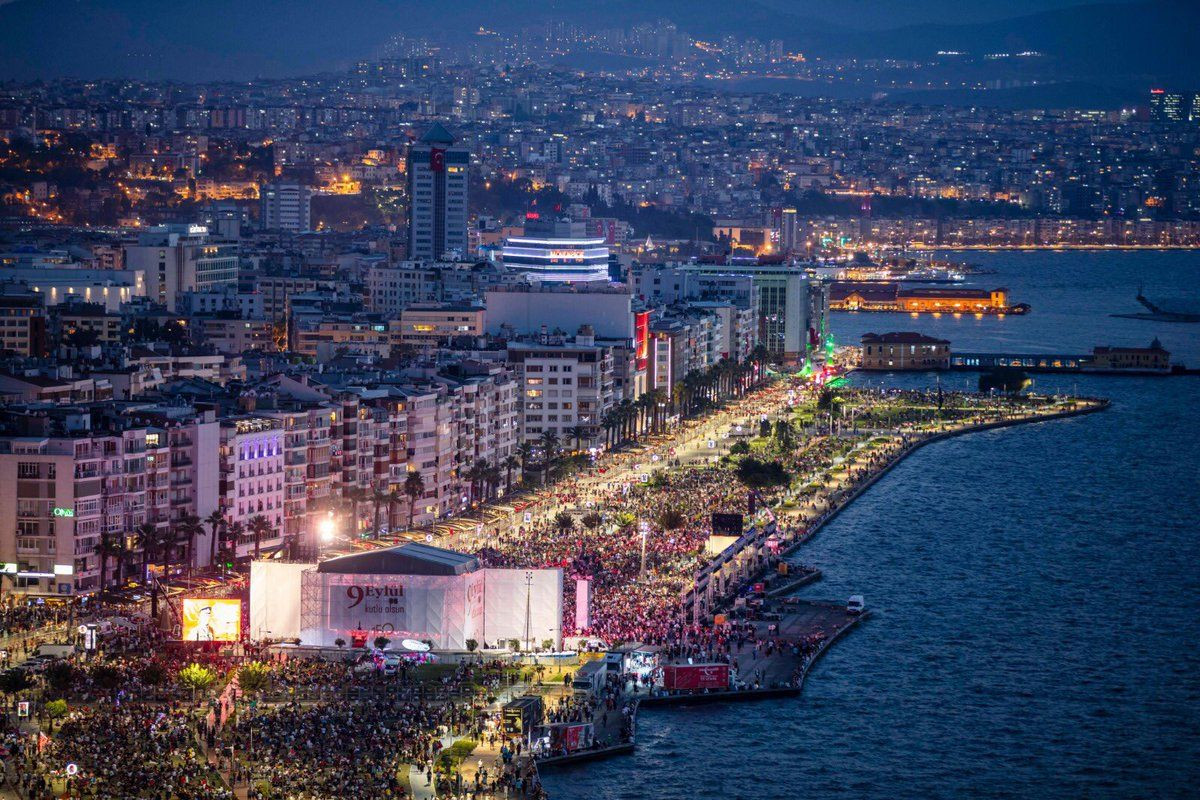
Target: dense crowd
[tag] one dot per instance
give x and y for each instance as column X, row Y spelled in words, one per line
column 346, row 728
column 126, row 750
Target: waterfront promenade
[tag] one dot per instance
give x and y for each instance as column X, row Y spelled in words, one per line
column 836, row 453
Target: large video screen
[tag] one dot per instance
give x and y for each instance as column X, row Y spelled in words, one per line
column 216, row 620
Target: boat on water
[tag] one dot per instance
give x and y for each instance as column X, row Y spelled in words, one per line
column 1156, row 313
column 862, row 269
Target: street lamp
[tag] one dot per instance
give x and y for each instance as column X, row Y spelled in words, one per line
column 644, row 530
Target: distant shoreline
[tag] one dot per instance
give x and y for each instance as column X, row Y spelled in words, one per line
column 1098, row 248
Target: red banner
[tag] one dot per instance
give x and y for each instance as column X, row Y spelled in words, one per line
column 437, row 159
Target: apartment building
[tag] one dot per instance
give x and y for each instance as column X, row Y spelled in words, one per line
column 252, row 479
column 563, row 385
column 73, row 474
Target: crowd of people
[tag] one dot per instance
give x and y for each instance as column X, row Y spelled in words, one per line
column 129, row 750
column 344, row 728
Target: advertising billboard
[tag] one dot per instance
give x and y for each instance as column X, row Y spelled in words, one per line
column 695, row 676
column 211, row 620
column 641, row 339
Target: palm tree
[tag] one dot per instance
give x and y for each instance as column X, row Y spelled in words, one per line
column 477, row 475
column 414, row 487
column 216, row 521
column 106, row 548
column 148, row 541
column 491, row 477
column 260, row 526
column 525, row 452
column 510, row 463
column 355, row 495
column 611, row 421
column 642, row 407
column 592, row 520
column 189, row 529
column 577, row 432
column 549, row 442
column 378, row 498
column 234, row 534
column 564, row 522
column 393, row 497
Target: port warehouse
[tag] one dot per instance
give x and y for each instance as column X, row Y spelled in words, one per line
column 891, row 296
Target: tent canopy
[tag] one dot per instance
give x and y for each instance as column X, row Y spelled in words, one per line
column 412, row 558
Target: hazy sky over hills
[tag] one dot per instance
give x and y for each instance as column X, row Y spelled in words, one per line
column 895, row 13
column 241, row 39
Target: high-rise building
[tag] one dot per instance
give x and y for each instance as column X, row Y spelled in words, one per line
column 285, row 207
column 789, row 230
column 181, row 258
column 437, row 192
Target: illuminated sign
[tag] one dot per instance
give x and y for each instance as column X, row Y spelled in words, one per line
column 216, row 620
column 64, row 512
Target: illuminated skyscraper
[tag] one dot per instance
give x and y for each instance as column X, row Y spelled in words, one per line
column 437, row 191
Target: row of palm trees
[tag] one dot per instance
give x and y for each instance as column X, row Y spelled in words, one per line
column 160, row 546
column 727, row 379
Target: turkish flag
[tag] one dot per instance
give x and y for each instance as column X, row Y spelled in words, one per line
column 437, row 159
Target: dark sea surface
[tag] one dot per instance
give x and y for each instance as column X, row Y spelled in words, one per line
column 1036, row 590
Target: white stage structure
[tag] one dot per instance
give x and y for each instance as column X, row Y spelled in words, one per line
column 413, row 591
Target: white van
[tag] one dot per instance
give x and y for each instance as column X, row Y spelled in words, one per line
column 855, row 604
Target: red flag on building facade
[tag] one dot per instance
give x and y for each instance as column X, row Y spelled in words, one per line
column 437, row 159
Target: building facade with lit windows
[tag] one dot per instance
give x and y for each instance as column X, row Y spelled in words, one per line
column 904, row 351
column 436, row 167
column 430, row 325
column 252, row 469
column 181, row 258
column 72, row 474
column 565, row 384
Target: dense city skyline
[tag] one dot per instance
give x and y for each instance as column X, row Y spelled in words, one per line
column 411, row 400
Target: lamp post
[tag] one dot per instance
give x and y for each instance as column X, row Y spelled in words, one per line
column 644, row 530
column 528, row 607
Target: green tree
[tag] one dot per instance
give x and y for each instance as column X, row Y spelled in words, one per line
column 254, row 678
column 564, row 522
column 669, row 519
column 60, row 676
column 56, row 710
column 105, row 677
column 196, row 677
column 382, row 642
column 756, row 474
column 153, row 674
column 472, row 645
column 592, row 521
column 624, row 519
column 14, row 681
